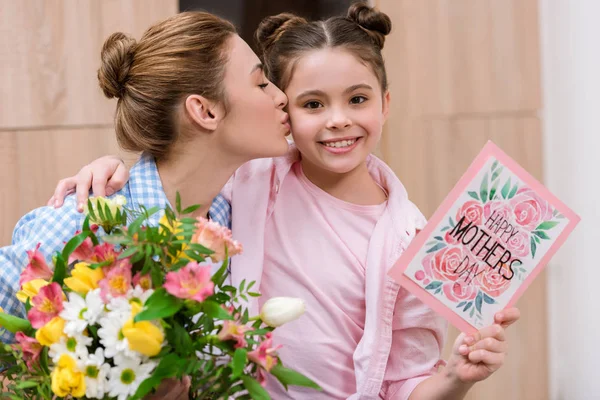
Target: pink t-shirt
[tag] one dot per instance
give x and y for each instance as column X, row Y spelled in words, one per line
column 315, row 249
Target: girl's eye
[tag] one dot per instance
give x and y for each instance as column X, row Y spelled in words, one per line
column 358, row 99
column 313, row 105
column 263, row 85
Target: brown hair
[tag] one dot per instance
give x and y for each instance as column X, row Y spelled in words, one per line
column 284, row 38
column 183, row 55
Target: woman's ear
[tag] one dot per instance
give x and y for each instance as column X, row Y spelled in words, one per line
column 206, row 113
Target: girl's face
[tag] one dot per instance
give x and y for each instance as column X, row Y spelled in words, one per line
column 337, row 110
column 255, row 125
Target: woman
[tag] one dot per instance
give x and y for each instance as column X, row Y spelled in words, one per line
column 193, row 98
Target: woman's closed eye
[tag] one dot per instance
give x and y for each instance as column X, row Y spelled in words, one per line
column 263, row 85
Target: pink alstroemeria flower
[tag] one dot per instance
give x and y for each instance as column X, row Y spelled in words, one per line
column 232, row 330
column 265, row 356
column 47, row 304
column 143, row 281
column 117, row 281
column 37, row 267
column 105, row 252
column 190, row 282
column 83, row 252
column 31, row 349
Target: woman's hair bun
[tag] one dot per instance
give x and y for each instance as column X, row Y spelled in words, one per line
column 117, row 56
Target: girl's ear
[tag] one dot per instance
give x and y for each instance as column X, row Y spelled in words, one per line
column 385, row 109
column 207, row 114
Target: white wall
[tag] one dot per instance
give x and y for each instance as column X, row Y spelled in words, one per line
column 570, row 32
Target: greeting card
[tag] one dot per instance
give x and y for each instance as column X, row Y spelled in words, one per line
column 486, row 243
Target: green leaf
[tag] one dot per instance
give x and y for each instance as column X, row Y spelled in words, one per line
column 497, row 173
column 493, row 190
column 60, row 269
column 73, row 244
column 494, row 165
column 537, row 239
column 541, row 234
column 505, row 189
column 91, row 211
column 533, row 247
column 547, row 225
column 461, row 304
column 290, row 377
column 253, row 294
column 433, row 285
column 483, row 190
column 472, row 312
column 479, row 302
column 467, row 306
column 14, row 324
column 180, row 339
column 439, row 238
column 219, row 277
column 215, row 311
column 513, row 191
column 239, row 362
column 191, row 209
column 159, row 305
column 178, row 202
column 256, row 391
column 488, row 299
column 437, row 247
column 100, row 212
column 26, row 384
column 168, row 367
column 474, row 195
column 108, row 214
column 44, row 360
column 129, row 252
column 242, row 285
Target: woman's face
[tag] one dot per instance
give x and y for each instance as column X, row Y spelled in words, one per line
column 255, row 125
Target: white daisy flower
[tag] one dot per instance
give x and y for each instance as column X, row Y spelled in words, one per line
column 96, row 372
column 125, row 378
column 75, row 346
column 72, row 313
column 119, row 305
column 139, row 295
column 94, row 307
column 111, row 335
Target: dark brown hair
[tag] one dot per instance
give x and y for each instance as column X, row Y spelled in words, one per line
column 183, row 55
column 284, row 38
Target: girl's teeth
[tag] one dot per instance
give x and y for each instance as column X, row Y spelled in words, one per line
column 341, row 143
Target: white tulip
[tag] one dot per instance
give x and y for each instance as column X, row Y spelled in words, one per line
column 281, row 310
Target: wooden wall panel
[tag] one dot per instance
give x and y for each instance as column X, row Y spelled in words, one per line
column 53, row 117
column 463, row 72
column 50, row 52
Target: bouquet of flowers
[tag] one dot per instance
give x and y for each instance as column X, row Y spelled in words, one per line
column 130, row 305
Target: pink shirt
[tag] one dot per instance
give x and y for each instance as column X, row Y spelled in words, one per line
column 402, row 339
column 324, row 266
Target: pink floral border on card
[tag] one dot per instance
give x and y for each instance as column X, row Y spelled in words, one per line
column 425, row 237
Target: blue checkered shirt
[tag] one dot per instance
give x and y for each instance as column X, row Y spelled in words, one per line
column 53, row 227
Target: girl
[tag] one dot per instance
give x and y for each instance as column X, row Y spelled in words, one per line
column 326, row 222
